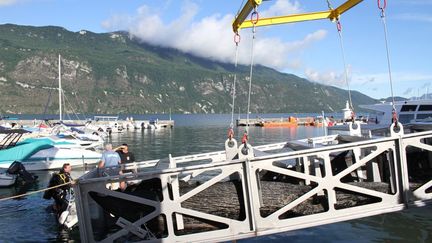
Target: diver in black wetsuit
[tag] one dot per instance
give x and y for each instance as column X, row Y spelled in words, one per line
column 59, row 193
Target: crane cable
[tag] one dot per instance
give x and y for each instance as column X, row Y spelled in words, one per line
column 236, row 41
column 254, row 21
column 339, row 28
column 341, row 42
column 382, row 7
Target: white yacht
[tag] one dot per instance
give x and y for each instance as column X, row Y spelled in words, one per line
column 408, row 111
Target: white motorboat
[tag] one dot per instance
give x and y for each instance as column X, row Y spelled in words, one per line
column 7, row 179
column 42, row 154
column 16, row 169
column 408, row 111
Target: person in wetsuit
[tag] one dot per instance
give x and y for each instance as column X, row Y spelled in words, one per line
column 59, row 193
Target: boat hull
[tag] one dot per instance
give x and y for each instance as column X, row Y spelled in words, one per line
column 54, row 158
column 7, row 179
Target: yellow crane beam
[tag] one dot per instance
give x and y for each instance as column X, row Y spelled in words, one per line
column 244, row 13
column 240, row 21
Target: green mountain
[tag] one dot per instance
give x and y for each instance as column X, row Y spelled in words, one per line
column 111, row 73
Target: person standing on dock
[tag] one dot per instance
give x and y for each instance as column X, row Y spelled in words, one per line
column 126, row 157
column 110, row 158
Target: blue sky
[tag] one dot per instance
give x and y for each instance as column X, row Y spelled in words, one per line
column 309, row 49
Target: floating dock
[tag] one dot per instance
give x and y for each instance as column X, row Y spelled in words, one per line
column 277, row 122
column 244, row 192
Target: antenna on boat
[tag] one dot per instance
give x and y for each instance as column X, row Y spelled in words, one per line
column 60, row 88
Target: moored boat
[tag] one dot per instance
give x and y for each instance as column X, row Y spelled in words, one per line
column 408, row 111
column 42, row 154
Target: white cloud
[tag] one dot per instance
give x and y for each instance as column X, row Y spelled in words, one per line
column 212, row 37
column 328, row 77
column 7, row 2
column 380, row 78
column 281, row 7
column 415, row 2
column 414, row 17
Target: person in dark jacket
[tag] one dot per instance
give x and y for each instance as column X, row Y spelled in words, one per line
column 59, row 193
column 125, row 155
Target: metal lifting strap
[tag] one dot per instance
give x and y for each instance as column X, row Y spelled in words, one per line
column 382, row 6
column 254, row 20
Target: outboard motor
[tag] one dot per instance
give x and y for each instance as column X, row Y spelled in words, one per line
column 17, row 168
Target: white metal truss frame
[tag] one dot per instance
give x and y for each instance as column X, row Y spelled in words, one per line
column 254, row 224
column 415, row 140
column 328, row 183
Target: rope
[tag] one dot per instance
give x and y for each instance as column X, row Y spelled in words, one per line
column 382, row 8
column 71, row 107
column 49, row 101
column 329, row 5
column 34, row 192
column 254, row 22
column 79, row 106
column 339, row 29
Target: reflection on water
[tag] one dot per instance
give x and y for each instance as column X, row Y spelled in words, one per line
column 27, row 219
column 412, row 225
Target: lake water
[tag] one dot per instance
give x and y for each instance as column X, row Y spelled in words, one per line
column 27, row 220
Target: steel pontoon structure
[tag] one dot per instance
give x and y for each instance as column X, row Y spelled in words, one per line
column 164, row 213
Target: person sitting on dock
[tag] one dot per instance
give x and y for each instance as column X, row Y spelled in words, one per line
column 59, row 193
column 110, row 158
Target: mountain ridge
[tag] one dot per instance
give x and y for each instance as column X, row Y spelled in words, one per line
column 113, row 73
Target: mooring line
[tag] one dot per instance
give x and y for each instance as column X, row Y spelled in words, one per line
column 34, row 192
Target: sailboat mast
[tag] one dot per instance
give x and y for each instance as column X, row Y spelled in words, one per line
column 60, row 88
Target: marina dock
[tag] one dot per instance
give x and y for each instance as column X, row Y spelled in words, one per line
column 124, row 123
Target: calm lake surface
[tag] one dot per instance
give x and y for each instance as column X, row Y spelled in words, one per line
column 27, row 220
